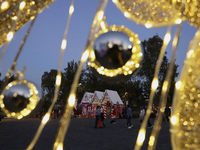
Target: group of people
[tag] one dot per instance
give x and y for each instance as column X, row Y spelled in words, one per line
column 56, row 114
column 99, row 116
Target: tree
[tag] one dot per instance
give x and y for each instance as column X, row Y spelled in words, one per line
column 68, row 78
column 151, row 48
column 48, row 86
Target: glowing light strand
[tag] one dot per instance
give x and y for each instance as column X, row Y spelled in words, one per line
column 140, row 140
column 65, row 120
column 57, row 87
column 164, row 93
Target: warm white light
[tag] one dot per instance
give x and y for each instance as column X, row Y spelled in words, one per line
column 64, row 44
column 140, row 54
column 85, row 55
column 22, row 5
column 137, row 65
column 100, row 16
column 45, row 118
column 71, row 9
column 10, row 36
column 154, row 83
column 129, row 46
column 19, row 117
column 178, row 21
column 151, row 140
column 141, row 137
column 72, row 100
column 14, row 18
column 58, row 80
column 60, row 147
column 148, row 25
column 167, row 38
column 4, row 5
column 189, row 54
column 126, row 14
column 178, row 85
column 103, row 26
column 2, row 105
column 174, row 120
column 131, row 39
column 36, row 92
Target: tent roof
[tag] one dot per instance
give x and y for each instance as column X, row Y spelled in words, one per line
column 99, row 95
column 114, row 96
column 87, row 97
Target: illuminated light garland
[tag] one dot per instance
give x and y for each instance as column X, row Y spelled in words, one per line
column 185, row 115
column 135, row 57
column 176, row 119
column 33, row 91
column 150, row 13
column 33, row 99
column 154, row 86
column 65, row 120
column 165, row 91
column 58, row 81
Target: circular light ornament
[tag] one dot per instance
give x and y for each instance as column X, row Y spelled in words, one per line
column 191, row 10
column 115, row 54
column 150, row 13
column 19, row 98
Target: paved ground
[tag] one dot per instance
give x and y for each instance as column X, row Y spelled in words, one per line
column 17, row 134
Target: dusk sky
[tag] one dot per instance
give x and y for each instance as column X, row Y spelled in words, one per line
column 42, row 49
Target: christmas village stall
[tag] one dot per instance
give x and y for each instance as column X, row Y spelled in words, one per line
column 86, row 104
column 111, row 98
column 96, row 101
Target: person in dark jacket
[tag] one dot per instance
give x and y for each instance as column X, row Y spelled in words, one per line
column 129, row 116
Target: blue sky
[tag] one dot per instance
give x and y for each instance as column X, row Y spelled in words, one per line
column 42, row 49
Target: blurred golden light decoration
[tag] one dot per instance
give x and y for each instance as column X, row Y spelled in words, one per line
column 190, row 9
column 9, row 10
column 150, row 13
column 115, row 59
column 185, row 117
column 19, row 98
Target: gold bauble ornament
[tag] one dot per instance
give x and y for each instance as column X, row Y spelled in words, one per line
column 185, row 118
column 150, row 13
column 190, row 9
column 19, row 99
column 9, row 14
column 115, row 54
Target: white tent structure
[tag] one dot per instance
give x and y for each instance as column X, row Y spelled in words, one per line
column 98, row 97
column 97, row 100
column 87, row 98
column 86, row 103
column 111, row 98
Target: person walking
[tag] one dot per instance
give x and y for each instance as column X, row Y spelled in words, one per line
column 102, row 116
column 97, row 115
column 167, row 113
column 129, row 116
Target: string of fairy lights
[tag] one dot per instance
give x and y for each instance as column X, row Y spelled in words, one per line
column 149, row 13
